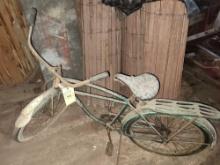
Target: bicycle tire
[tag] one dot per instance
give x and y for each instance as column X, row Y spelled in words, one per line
column 157, row 147
column 40, row 120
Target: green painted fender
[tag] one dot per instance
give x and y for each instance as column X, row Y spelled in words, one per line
column 202, row 122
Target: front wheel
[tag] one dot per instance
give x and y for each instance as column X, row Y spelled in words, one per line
column 177, row 135
column 46, row 109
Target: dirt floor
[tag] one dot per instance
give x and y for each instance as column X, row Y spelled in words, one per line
column 76, row 140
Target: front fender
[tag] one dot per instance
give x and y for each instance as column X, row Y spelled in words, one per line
column 36, row 104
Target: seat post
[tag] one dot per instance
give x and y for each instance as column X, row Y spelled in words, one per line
column 133, row 100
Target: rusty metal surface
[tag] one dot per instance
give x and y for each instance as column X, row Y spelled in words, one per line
column 183, row 108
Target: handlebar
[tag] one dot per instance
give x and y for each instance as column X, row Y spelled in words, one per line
column 33, row 16
column 99, row 76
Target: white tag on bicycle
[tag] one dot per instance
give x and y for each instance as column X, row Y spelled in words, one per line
column 68, row 95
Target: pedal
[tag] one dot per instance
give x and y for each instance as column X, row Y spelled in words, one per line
column 109, row 149
column 109, row 146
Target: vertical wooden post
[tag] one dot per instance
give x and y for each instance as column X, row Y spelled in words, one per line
column 16, row 62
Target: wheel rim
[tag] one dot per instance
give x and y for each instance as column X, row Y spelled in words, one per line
column 188, row 141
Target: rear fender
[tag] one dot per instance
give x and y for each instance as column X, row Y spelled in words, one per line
column 201, row 122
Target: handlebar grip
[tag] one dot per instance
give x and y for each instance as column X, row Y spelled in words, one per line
column 33, row 16
column 99, row 76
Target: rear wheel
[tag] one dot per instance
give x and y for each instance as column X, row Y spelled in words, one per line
column 45, row 114
column 178, row 135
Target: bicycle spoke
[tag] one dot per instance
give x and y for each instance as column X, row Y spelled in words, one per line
column 151, row 126
column 148, row 138
column 167, row 122
column 174, row 146
column 178, row 144
column 179, row 131
column 52, row 106
column 189, row 142
column 144, row 132
column 182, row 135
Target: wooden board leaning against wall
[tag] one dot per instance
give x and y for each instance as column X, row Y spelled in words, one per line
column 101, row 41
column 101, row 37
column 154, row 41
column 16, row 62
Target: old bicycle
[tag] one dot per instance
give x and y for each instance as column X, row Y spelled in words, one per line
column 162, row 126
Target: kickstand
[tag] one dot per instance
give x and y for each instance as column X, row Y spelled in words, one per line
column 109, row 146
column 119, row 149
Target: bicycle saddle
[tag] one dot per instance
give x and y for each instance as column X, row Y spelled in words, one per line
column 144, row 87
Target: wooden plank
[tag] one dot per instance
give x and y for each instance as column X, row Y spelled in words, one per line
column 16, row 60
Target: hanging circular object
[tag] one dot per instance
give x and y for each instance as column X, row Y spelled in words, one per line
column 126, row 6
column 130, row 6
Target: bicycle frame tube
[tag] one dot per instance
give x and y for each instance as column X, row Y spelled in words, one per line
column 85, row 109
column 118, row 99
column 101, row 97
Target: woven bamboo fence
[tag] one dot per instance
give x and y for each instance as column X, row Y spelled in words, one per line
column 152, row 39
column 101, row 40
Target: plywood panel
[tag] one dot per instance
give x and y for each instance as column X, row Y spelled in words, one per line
column 16, row 62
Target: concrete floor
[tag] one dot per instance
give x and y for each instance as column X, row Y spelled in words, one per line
column 76, row 140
